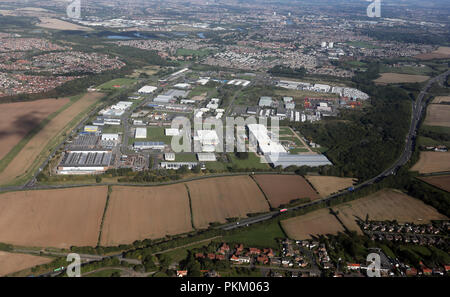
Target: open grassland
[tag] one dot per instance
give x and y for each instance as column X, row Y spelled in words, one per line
column 442, row 52
column 136, row 213
column 282, row 189
column 389, row 205
column 430, row 162
column 52, row 218
column 441, row 99
column 37, row 148
column 216, row 199
column 52, row 23
column 438, row 115
column 327, row 185
column 441, row 181
column 319, row 222
column 12, row 262
column 393, row 78
column 117, row 83
column 18, row 119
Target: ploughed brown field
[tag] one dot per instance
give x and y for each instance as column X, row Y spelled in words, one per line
column 216, row 199
column 319, row 222
column 430, row 162
column 52, row 218
column 438, row 115
column 52, row 23
column 31, row 151
column 441, row 99
column 282, row 189
column 383, row 205
column 392, row 78
column 18, row 119
column 12, row 262
column 442, row 52
column 389, row 205
column 327, row 185
column 136, row 213
column 441, row 181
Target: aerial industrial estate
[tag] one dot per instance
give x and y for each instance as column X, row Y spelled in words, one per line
column 224, row 138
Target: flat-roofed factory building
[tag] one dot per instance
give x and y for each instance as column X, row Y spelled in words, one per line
column 85, row 162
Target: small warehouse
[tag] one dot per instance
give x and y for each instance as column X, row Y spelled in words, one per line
column 140, row 133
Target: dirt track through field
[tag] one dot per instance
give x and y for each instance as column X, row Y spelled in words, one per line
column 31, row 151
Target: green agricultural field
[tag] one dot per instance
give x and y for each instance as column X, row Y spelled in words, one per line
column 263, row 236
column 112, row 129
column 182, row 157
column 407, row 70
column 122, row 82
column 194, row 53
column 298, row 150
column 209, row 89
column 154, row 134
column 253, row 161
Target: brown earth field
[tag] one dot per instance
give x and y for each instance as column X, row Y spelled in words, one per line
column 389, row 205
column 430, row 162
column 52, row 218
column 319, row 222
column 12, row 262
column 327, row 185
column 31, row 151
column 18, row 119
column 216, row 199
column 392, row 78
column 383, row 205
column 441, row 181
column 438, row 115
column 52, row 23
column 136, row 213
column 441, row 99
column 282, row 189
column 442, row 52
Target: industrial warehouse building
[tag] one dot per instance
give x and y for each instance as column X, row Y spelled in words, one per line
column 178, row 165
column 265, row 101
column 146, row 145
column 90, row 129
column 206, row 157
column 85, row 162
column 277, row 155
column 110, row 137
column 140, row 133
column 147, row 90
column 286, row 160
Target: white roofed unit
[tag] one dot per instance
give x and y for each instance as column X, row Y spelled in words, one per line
column 110, row 136
column 169, row 157
column 265, row 144
column 147, row 89
column 206, row 157
column 140, row 133
column 207, row 137
column 182, row 86
column 172, row 132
